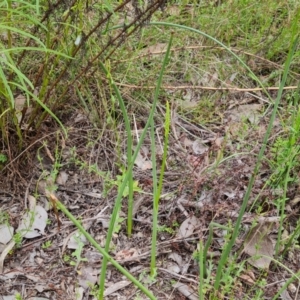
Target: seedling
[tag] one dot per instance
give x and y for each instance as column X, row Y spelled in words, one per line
column 47, row 245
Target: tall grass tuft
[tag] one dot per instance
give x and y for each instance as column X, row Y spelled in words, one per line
column 48, row 51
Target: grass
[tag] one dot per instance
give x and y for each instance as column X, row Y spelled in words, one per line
column 85, row 61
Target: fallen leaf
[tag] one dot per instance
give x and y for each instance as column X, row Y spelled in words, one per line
column 219, row 141
column 187, row 142
column 5, row 251
column 187, row 227
column 248, row 111
column 93, row 256
column 247, row 279
column 259, row 245
column 155, row 49
column 295, row 201
column 6, row 233
column 9, row 297
column 186, row 290
column 285, row 295
column 87, row 277
column 62, row 178
column 142, row 163
column 173, row 10
column 176, row 257
column 127, row 254
column 20, row 103
column 173, row 267
column 116, row 286
column 76, row 240
column 292, row 288
column 199, row 148
column 33, row 223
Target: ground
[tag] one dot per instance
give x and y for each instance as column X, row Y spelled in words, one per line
column 217, row 129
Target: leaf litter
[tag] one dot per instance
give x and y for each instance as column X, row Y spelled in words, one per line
column 194, row 196
column 200, row 185
column 259, row 244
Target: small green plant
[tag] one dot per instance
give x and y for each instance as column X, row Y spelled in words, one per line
column 77, row 253
column 18, row 296
column 3, row 160
column 4, row 217
column 146, row 278
column 119, row 221
column 165, row 228
column 47, row 244
column 66, row 258
column 18, row 239
column 125, row 193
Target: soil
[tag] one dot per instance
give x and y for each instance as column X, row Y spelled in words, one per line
column 195, row 188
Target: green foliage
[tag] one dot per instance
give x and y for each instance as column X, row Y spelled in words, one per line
column 285, row 153
column 77, row 253
column 44, row 60
column 4, row 217
column 48, row 60
column 18, row 237
column 165, row 228
column 66, row 258
column 3, row 158
column 135, row 185
column 47, row 244
column 18, row 296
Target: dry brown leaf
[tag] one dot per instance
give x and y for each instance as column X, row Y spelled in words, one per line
column 173, row 10
column 76, row 240
column 285, row 295
column 49, row 153
column 127, row 254
column 187, row 227
column 219, row 141
column 20, row 103
column 116, row 286
column 4, row 253
column 186, row 290
column 33, row 223
column 62, row 178
column 6, row 233
column 176, row 257
column 173, row 267
column 187, row 142
column 87, row 277
column 248, row 111
column 259, row 245
column 142, row 163
column 199, row 148
column 295, row 201
column 248, row 278
column 155, row 49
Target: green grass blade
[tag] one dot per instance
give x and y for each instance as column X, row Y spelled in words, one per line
column 21, row 32
column 201, row 271
column 15, row 49
column 157, row 191
column 129, row 147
